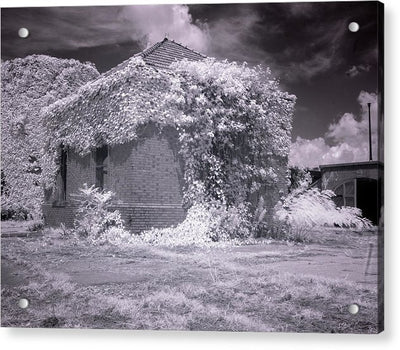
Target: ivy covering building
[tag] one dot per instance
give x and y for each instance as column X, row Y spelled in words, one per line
column 165, row 129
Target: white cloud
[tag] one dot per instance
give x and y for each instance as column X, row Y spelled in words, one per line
column 230, row 36
column 345, row 141
column 151, row 23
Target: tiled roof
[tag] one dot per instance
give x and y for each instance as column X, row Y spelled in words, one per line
column 161, row 55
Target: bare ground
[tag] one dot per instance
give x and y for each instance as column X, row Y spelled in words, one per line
column 271, row 286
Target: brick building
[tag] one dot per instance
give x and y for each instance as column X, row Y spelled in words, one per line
column 146, row 174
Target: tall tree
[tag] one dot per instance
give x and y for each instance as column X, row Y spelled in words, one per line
column 28, row 85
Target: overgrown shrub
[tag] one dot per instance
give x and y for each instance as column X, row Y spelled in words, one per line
column 205, row 224
column 233, row 143
column 94, row 219
column 277, row 229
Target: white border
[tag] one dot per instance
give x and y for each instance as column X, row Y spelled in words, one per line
column 110, row 339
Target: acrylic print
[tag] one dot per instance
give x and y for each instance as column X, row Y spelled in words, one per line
column 213, row 167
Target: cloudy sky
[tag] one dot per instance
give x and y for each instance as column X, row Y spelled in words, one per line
column 331, row 70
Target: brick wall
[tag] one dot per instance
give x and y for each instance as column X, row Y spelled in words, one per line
column 136, row 217
column 54, row 215
column 146, row 176
column 145, row 171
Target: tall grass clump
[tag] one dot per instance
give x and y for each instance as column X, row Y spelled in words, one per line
column 309, row 207
column 305, row 208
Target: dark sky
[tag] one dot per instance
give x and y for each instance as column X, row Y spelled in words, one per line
column 307, row 45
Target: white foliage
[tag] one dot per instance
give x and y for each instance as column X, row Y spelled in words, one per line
column 205, row 224
column 312, row 207
column 94, row 219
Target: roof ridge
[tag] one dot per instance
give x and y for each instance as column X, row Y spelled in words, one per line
column 148, row 51
column 147, row 54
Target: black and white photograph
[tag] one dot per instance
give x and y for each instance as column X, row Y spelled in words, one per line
column 193, row 167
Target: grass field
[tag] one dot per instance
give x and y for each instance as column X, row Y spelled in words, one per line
column 262, row 287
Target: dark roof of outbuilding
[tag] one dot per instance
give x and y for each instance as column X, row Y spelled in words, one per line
column 161, row 55
column 352, row 165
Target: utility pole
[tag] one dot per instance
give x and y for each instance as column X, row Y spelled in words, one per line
column 369, row 131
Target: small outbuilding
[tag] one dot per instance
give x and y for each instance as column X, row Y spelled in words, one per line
column 357, row 184
column 147, row 173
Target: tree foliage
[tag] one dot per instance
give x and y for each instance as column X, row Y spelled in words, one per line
column 299, row 177
column 28, row 85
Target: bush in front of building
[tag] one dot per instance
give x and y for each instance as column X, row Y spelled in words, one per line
column 94, row 219
column 206, row 224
